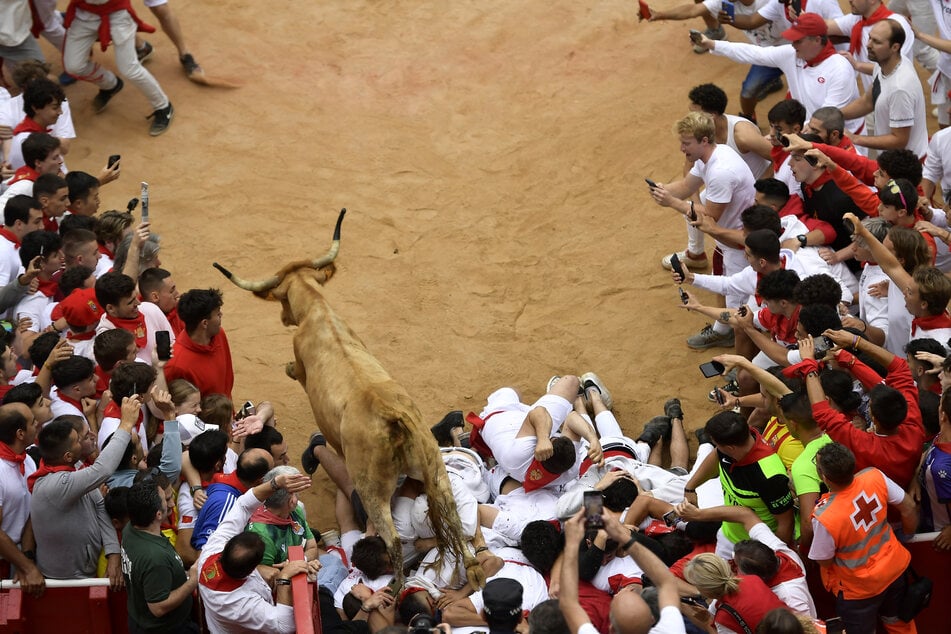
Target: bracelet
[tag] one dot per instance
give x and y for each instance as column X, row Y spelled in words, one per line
column 285, row 582
column 686, row 490
column 855, row 342
column 630, row 542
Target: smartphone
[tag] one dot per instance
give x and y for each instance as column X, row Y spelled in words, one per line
column 683, row 296
column 113, row 160
column 677, row 266
column 729, row 7
column 848, row 226
column 671, row 518
column 835, row 626
column 711, row 369
column 246, row 410
column 593, row 510
column 163, row 345
column 718, row 395
column 696, row 36
column 783, row 141
column 650, row 183
column 809, row 159
column 822, row 345
column 144, row 195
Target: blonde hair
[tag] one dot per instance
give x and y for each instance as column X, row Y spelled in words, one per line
column 712, row 575
column 698, row 125
column 180, row 389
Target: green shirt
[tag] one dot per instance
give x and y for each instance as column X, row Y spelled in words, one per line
column 277, row 539
column 152, row 569
column 803, row 470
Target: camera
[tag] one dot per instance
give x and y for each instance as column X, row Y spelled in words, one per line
column 422, row 623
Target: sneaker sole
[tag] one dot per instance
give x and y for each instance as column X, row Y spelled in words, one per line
column 692, row 264
column 713, row 344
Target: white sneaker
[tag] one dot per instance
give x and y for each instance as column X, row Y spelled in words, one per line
column 694, row 264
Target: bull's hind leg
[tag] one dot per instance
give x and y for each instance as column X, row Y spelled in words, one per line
column 374, row 476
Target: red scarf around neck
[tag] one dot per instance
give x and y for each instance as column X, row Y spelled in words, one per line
column 9, row 235
column 25, row 173
column 43, row 471
column 231, row 480
column 931, row 322
column 135, row 326
column 7, row 453
column 214, row 577
column 811, row 188
column 29, row 125
column 823, row 55
column 855, row 37
column 48, row 287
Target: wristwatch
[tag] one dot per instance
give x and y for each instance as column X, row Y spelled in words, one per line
column 283, row 582
column 802, row 240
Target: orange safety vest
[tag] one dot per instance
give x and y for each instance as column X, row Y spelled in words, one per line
column 868, row 555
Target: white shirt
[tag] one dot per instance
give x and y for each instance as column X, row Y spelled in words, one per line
column 39, row 308
column 728, row 181
column 62, row 128
column 901, row 104
column 155, row 320
column 937, row 167
column 249, row 608
column 794, row 592
column 831, row 83
column 670, row 622
column 15, row 497
column 109, row 426
column 874, row 310
column 15, row 22
column 10, row 266
column 845, row 24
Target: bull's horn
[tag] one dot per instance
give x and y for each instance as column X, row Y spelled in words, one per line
column 254, row 287
column 334, row 247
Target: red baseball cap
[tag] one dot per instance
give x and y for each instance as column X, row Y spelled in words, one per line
column 808, row 25
column 80, row 309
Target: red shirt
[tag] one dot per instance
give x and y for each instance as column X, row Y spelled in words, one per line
column 897, row 456
column 782, row 328
column 207, row 367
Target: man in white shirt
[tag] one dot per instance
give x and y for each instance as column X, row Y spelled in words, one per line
column 895, row 96
column 236, row 597
column 22, row 215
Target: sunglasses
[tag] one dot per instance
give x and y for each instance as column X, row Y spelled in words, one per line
column 895, row 189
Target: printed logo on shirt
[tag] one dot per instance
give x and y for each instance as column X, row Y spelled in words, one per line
column 821, row 80
column 866, row 509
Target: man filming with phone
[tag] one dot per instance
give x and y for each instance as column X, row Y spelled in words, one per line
column 729, row 190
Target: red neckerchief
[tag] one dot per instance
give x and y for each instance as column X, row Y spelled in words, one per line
column 264, row 516
column 48, row 287
column 475, row 436
column 587, row 463
column 215, row 578
column 845, row 143
column 68, row 399
column 827, row 52
column 113, row 410
column 103, row 249
column 29, row 125
column 618, row 582
column 7, row 453
column 80, row 336
column 231, row 480
column 788, row 570
column 793, row 207
column 25, row 173
column 537, row 476
column 760, row 450
column 9, row 235
column 855, row 37
column 931, row 322
column 778, row 155
column 824, row 178
column 136, row 326
column 102, row 381
column 44, row 471
column 103, row 11
column 175, row 321
column 50, row 223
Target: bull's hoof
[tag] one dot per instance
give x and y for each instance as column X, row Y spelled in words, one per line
column 291, row 370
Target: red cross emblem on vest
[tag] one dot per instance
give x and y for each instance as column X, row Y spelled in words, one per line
column 865, row 509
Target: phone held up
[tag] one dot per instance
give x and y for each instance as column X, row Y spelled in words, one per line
column 113, row 159
column 163, row 345
column 711, row 369
column 593, row 510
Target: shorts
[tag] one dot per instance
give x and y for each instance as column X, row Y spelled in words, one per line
column 757, row 79
column 24, row 51
column 940, row 85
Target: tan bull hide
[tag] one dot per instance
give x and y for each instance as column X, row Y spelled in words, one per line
column 364, row 414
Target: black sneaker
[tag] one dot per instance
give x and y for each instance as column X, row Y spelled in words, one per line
column 102, row 98
column 144, row 53
column 655, row 429
column 189, row 64
column 672, row 409
column 161, row 119
column 702, row 436
column 308, row 460
column 443, row 429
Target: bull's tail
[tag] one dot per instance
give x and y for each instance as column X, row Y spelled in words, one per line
column 443, row 515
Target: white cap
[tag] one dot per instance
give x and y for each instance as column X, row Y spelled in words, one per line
column 190, row 426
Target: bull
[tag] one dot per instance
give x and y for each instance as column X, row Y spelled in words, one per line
column 366, row 416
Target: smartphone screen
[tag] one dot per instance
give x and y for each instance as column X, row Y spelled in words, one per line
column 163, row 345
column 671, row 518
column 711, row 369
column 593, row 510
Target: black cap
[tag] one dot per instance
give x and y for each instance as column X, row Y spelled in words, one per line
column 502, row 597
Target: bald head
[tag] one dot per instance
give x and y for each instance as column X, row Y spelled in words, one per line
column 252, row 465
column 630, row 614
